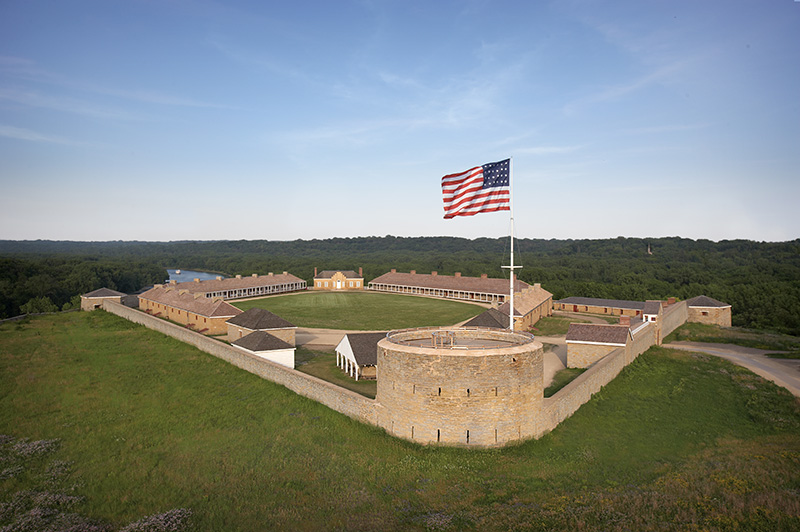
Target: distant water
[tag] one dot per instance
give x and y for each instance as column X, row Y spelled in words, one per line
column 190, row 275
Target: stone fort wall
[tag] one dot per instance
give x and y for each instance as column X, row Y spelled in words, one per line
column 428, row 398
column 344, row 401
column 485, row 397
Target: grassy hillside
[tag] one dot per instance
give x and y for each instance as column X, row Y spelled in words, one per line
column 364, row 311
column 144, row 424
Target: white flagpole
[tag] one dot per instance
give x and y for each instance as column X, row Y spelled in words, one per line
column 511, row 266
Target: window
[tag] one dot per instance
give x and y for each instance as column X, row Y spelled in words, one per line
column 704, row 313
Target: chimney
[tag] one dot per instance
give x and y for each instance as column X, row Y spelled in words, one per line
column 360, row 271
column 285, row 273
column 537, row 286
column 413, row 272
column 484, row 276
column 315, row 271
column 173, row 281
column 671, row 301
column 219, row 277
column 196, row 280
column 434, row 274
column 625, row 320
column 181, row 292
column 458, row 274
column 270, row 274
column 394, row 270
column 158, row 286
column 238, row 276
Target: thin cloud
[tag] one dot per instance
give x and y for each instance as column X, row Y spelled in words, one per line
column 19, row 133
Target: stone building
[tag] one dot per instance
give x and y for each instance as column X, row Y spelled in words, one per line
column 460, row 386
column 588, row 342
column 357, row 354
column 194, row 311
column 339, row 280
column 530, row 305
column 264, row 345
column 704, row 309
column 612, row 307
column 94, row 299
column 259, row 319
column 481, row 289
column 239, row 287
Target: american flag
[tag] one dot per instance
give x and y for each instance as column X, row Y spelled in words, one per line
column 480, row 189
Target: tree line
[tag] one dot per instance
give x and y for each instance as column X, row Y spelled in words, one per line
column 761, row 280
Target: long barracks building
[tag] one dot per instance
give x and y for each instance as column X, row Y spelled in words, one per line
column 481, row 289
column 239, row 287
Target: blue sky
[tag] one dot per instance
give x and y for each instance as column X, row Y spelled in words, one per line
column 195, row 119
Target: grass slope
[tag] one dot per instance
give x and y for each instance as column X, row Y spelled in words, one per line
column 364, row 311
column 678, row 441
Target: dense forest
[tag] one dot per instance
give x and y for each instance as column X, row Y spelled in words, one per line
column 761, row 280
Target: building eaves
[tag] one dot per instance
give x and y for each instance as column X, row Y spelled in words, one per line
column 705, row 301
column 257, row 319
column 597, row 333
column 261, row 341
column 365, row 347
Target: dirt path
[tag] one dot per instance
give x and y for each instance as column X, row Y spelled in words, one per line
column 783, row 372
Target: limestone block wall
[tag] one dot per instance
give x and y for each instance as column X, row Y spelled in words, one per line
column 344, row 401
column 93, row 303
column 564, row 403
column 710, row 315
column 584, row 355
column 643, row 340
column 673, row 317
column 465, row 397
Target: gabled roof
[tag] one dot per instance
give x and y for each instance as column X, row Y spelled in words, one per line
column 651, row 307
column 705, row 301
column 234, row 283
column 597, row 333
column 592, row 301
column 104, row 292
column 493, row 318
column 483, row 285
column 327, row 274
column 180, row 299
column 527, row 300
column 261, row 341
column 365, row 347
column 258, row 319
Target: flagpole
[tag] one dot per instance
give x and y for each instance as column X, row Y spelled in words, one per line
column 512, row 267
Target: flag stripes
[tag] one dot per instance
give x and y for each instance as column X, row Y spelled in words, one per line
column 480, row 189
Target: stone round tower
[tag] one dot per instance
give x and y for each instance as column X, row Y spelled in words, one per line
column 460, row 386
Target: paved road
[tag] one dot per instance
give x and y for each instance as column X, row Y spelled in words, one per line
column 783, row 372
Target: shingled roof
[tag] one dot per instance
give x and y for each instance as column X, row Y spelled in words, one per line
column 104, row 292
column 527, row 300
column 596, row 302
column 327, row 274
column 261, row 341
column 493, row 318
column 258, row 319
column 483, row 285
column 705, row 301
column 597, row 333
column 651, row 308
column 365, row 347
column 236, row 283
column 183, row 300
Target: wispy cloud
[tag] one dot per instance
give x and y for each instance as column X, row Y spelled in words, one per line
column 32, row 136
column 26, row 70
column 65, row 104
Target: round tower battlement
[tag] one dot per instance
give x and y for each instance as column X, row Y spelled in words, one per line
column 460, row 386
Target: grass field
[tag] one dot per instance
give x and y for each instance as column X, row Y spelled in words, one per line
column 322, row 364
column 698, row 332
column 124, row 423
column 364, row 311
